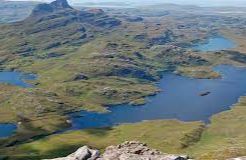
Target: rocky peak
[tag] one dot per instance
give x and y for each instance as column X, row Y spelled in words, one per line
column 57, row 25
column 45, row 8
column 60, row 4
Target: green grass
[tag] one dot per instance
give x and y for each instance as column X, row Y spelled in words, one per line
column 104, row 59
column 223, row 138
column 168, row 136
column 57, row 93
column 198, row 72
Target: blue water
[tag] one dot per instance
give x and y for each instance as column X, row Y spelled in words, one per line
column 215, row 44
column 7, row 130
column 16, row 78
column 180, row 99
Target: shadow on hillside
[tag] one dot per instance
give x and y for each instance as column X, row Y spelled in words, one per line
column 99, row 131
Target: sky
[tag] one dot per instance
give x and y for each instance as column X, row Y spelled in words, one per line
column 184, row 2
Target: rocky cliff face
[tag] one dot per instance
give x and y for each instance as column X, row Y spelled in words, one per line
column 125, row 151
column 52, row 7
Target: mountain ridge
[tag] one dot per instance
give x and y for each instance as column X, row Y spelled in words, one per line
column 54, row 26
column 45, row 8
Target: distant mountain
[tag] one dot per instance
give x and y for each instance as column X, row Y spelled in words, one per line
column 52, row 7
column 52, row 28
column 12, row 11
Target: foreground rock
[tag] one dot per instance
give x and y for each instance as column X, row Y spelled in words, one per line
column 136, row 151
column 83, row 153
column 126, row 151
column 239, row 158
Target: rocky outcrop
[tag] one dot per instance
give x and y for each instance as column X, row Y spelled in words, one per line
column 83, row 153
column 52, row 7
column 239, row 158
column 60, row 9
column 127, row 151
column 60, row 4
column 80, row 76
column 136, row 151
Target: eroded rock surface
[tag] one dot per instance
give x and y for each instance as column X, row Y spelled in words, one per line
column 83, row 153
column 136, row 151
column 126, row 151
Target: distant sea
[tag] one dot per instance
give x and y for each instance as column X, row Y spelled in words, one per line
column 203, row 3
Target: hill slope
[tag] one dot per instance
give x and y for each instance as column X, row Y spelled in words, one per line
column 53, row 27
